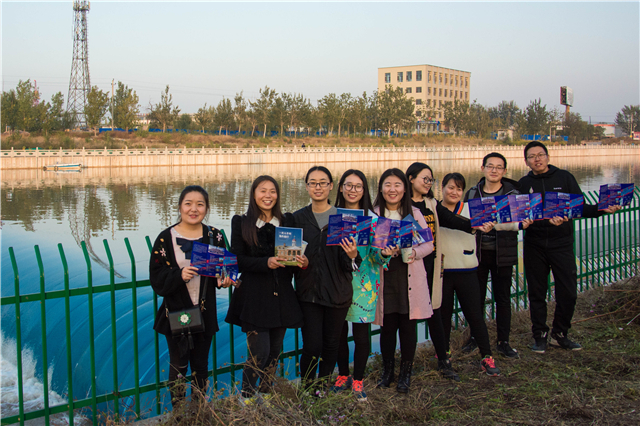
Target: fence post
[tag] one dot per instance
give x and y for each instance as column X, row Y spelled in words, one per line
column 114, row 339
column 134, row 317
column 16, row 286
column 43, row 319
column 67, row 326
column 92, row 344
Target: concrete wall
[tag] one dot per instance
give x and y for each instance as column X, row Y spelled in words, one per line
column 113, row 158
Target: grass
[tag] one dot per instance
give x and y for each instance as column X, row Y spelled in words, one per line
column 599, row 385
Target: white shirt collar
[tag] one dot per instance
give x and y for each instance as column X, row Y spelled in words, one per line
column 274, row 221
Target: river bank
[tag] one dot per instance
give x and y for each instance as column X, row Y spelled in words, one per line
column 114, row 158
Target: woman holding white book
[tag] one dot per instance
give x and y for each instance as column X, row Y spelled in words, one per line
column 265, row 303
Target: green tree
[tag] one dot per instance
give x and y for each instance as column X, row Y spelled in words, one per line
column 55, row 116
column 279, row 113
column 224, row 115
column 629, row 119
column 328, row 108
column 239, row 111
column 295, row 106
column 164, row 112
column 456, row 115
column 96, row 108
column 203, row 118
column 537, row 117
column 395, row 109
column 183, row 123
column 345, row 103
column 9, row 111
column 27, row 97
column 125, row 107
column 263, row 106
column 505, row 114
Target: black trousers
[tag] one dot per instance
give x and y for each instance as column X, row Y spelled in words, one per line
column 198, row 358
column 263, row 349
column 406, row 328
column 538, row 261
column 465, row 285
column 320, row 339
column 436, row 328
column 501, row 289
column 361, row 350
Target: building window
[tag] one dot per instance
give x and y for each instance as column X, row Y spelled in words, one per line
column 456, row 95
column 429, row 91
column 418, row 75
column 466, row 95
column 418, row 101
column 429, row 77
column 439, row 104
column 418, row 113
column 439, row 115
column 428, row 102
column 400, row 77
column 408, row 90
column 387, row 77
column 440, row 92
column 466, row 82
column 445, row 93
column 445, row 79
column 419, row 89
column 409, row 76
column 451, row 79
column 440, row 78
column 456, row 81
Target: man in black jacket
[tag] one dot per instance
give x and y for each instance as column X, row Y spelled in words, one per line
column 548, row 246
column 497, row 250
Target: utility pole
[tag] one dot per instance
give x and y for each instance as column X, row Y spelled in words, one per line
column 112, row 80
column 79, row 82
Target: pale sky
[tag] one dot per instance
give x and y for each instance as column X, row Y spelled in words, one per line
column 207, row 50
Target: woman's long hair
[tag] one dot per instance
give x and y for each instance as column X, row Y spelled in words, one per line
column 405, row 206
column 249, row 219
column 365, row 201
column 413, row 171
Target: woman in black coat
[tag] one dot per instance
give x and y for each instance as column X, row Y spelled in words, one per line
column 265, row 303
column 173, row 278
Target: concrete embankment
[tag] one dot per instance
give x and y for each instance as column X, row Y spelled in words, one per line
column 113, row 158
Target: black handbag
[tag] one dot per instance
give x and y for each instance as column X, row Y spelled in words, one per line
column 188, row 321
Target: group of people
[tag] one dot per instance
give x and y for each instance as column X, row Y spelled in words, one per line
column 361, row 285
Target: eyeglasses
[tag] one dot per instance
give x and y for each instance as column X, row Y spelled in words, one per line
column 428, row 180
column 352, row 187
column 536, row 157
column 496, row 168
column 318, row 184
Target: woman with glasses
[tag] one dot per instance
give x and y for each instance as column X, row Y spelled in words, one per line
column 421, row 181
column 403, row 297
column 353, row 193
column 324, row 288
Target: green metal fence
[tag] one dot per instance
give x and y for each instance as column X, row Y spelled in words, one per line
column 607, row 249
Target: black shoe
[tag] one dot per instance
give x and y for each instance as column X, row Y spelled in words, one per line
column 470, row 346
column 562, row 341
column 387, row 373
column 404, row 377
column 506, row 350
column 540, row 345
column 446, row 369
column 489, row 366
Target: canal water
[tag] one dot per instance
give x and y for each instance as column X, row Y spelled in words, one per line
column 49, row 209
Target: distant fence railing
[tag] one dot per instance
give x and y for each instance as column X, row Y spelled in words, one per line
column 69, row 154
column 607, row 249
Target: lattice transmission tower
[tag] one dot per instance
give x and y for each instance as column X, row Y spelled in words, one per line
column 79, row 83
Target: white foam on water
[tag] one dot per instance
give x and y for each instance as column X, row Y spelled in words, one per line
column 32, row 387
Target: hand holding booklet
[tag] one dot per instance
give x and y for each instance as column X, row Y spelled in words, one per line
column 420, row 235
column 391, row 232
column 615, row 194
column 289, row 244
column 349, row 224
column 482, row 210
column 563, row 204
column 213, row 261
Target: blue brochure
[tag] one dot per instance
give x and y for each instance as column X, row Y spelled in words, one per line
column 289, row 244
column 230, row 266
column 482, row 210
column 513, row 208
column 536, row 206
column 562, row 204
column 615, row 194
column 406, row 234
column 420, row 235
column 208, row 259
column 391, row 232
column 345, row 226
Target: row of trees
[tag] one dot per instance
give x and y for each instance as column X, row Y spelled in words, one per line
column 388, row 110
